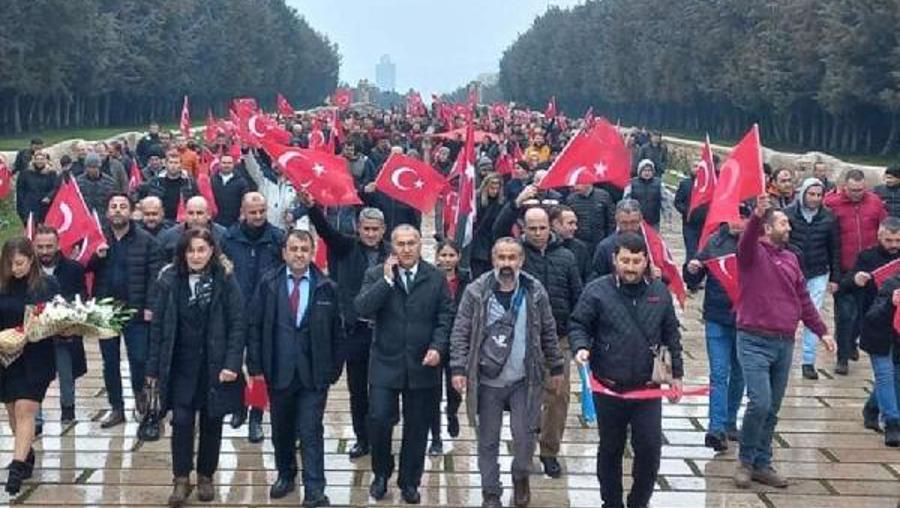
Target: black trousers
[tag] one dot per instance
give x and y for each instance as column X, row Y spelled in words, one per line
column 454, row 399
column 384, row 413
column 355, row 358
column 298, row 411
column 183, row 423
column 614, row 416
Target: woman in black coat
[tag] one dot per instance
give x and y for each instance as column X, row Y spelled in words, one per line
column 448, row 256
column 490, row 202
column 196, row 351
column 24, row 382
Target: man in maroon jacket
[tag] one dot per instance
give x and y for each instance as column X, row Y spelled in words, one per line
column 773, row 299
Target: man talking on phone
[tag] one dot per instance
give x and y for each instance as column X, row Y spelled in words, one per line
column 409, row 301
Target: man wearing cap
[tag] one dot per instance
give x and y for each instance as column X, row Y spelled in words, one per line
column 646, row 189
column 889, row 191
column 96, row 186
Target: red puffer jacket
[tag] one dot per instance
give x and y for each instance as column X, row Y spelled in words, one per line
column 858, row 223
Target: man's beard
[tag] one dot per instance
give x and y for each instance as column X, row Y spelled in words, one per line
column 506, row 274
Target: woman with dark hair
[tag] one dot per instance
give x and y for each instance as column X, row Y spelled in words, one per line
column 196, row 352
column 490, row 202
column 24, row 382
column 447, row 259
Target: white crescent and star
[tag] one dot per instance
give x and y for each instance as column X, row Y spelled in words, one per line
column 251, row 124
column 395, row 178
column 600, row 169
column 703, row 170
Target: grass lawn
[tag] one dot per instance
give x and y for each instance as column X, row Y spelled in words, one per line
column 51, row 137
column 9, row 221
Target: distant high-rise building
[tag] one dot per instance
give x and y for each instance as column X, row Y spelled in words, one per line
column 386, row 74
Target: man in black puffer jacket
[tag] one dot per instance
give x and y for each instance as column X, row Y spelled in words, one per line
column 595, row 211
column 816, row 240
column 725, row 375
column 646, row 189
column 557, row 269
column 889, row 191
column 615, row 323
column 126, row 271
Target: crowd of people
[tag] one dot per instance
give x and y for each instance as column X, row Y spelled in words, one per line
column 238, row 294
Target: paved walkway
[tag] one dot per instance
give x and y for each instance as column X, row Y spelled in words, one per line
column 821, row 446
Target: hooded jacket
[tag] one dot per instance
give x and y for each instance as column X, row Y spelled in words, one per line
column 814, row 236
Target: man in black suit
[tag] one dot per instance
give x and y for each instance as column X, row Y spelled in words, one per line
column 409, row 300
column 294, row 328
column 70, row 360
column 349, row 258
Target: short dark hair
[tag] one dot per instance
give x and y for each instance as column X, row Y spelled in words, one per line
column 783, row 169
column 631, row 242
column 770, row 215
column 854, row 174
column 120, row 195
column 180, row 260
column 557, row 211
column 300, row 234
column 43, row 229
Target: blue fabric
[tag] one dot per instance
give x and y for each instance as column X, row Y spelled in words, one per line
column 816, row 287
column 305, row 285
column 887, row 386
column 767, row 365
column 588, row 410
column 725, row 376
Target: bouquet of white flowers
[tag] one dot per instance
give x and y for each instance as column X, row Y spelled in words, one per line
column 92, row 320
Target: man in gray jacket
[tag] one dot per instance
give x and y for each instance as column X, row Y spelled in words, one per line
column 503, row 338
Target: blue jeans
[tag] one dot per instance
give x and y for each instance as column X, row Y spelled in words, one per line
column 136, row 334
column 816, row 287
column 725, row 376
column 887, row 386
column 767, row 366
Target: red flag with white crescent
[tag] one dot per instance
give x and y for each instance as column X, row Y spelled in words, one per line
column 740, row 178
column 704, row 180
column 135, row 177
column 5, row 179
column 661, row 257
column 725, row 270
column 325, row 176
column 69, row 215
column 411, row 181
column 591, row 156
column 284, row 107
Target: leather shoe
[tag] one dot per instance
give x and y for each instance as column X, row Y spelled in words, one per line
column 410, row 495
column 809, row 372
column 255, row 434
column 358, row 450
column 315, row 500
column 841, row 368
column 551, row 467
column 113, row 418
column 282, row 487
column 378, row 489
column 238, row 418
column 453, row 425
column 490, row 501
column 854, row 354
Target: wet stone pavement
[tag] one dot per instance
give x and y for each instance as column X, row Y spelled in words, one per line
column 821, row 446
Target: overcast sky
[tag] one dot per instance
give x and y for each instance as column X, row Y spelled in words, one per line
column 436, row 45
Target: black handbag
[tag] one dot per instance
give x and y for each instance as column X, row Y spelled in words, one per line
column 498, row 340
column 150, row 428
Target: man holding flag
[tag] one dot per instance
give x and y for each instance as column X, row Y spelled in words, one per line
column 773, row 299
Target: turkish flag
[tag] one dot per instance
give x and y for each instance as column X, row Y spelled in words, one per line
column 550, row 112
column 321, row 259
column 325, row 176
column 5, row 179
column 661, row 257
column 591, row 156
column 500, row 109
column 135, row 177
column 414, row 104
column 725, row 270
column 462, row 224
column 185, row 123
column 505, row 164
column 211, row 132
column 93, row 240
column 256, row 394
column 204, row 186
column 410, row 181
column 69, row 214
column 704, row 180
column 741, row 178
column 244, row 103
column 256, row 126
column 589, row 118
column 342, row 97
column 885, row 272
column 316, row 138
column 284, row 107
column 451, row 208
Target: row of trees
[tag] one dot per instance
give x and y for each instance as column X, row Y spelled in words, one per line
column 813, row 73
column 79, row 63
